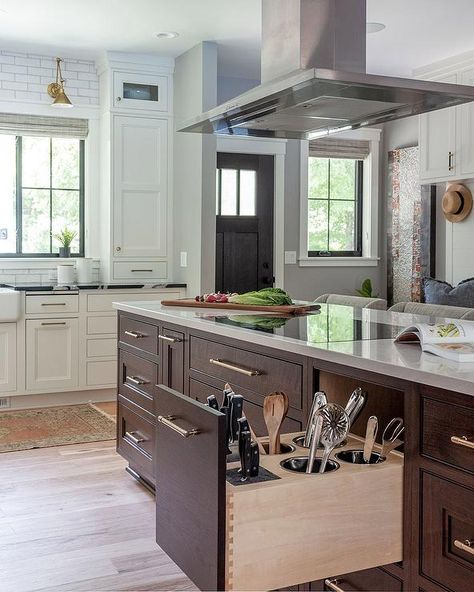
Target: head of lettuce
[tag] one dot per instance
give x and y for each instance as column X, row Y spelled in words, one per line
column 265, row 297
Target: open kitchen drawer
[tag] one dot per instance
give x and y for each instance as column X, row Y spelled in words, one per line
column 272, row 534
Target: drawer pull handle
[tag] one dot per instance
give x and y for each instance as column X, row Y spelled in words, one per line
column 229, row 366
column 54, row 323
column 135, row 334
column 135, row 437
column 168, row 422
column 53, row 304
column 143, row 270
column 136, row 380
column 467, row 546
column 169, row 339
column 333, row 585
column 462, row 441
column 450, row 161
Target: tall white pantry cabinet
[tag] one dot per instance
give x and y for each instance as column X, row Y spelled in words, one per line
column 136, row 154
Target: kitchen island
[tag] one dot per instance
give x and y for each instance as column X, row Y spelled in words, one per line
column 194, row 352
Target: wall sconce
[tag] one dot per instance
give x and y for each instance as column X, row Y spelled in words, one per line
column 56, row 89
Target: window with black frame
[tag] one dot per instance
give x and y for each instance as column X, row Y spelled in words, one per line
column 41, row 192
column 335, row 199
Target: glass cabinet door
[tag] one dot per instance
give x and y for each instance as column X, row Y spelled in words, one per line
column 139, row 91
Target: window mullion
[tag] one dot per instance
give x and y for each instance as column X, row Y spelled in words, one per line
column 329, row 200
column 19, row 197
column 50, row 195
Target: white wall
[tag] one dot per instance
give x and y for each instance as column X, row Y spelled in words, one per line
column 229, row 87
column 194, row 163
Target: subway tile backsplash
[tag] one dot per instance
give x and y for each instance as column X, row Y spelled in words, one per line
column 46, row 274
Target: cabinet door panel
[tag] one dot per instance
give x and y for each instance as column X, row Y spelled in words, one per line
column 7, row 357
column 466, row 131
column 172, row 358
column 51, row 354
column 140, row 187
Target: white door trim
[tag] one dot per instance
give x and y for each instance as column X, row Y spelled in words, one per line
column 276, row 148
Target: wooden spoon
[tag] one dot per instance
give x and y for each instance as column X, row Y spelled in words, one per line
column 275, row 408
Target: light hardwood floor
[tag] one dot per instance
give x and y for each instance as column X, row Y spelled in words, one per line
column 72, row 519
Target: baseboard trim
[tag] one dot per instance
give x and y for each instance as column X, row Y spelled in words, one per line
column 55, row 399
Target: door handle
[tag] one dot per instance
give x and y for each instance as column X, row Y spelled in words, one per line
column 135, row 439
column 53, row 323
column 136, row 380
column 169, row 339
column 333, row 585
column 450, row 161
column 462, row 441
column 53, row 304
column 168, row 422
column 466, row 545
column 229, row 366
column 134, row 334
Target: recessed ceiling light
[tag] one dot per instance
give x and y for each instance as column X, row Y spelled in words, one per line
column 166, row 35
column 375, row 27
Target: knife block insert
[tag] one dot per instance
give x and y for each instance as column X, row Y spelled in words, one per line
column 302, row 528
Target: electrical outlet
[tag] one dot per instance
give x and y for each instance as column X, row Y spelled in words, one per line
column 183, row 256
column 290, row 257
column 4, row 402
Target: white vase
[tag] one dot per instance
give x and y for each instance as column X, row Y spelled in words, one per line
column 84, row 270
column 66, row 274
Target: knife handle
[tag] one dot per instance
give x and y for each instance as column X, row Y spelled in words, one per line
column 254, row 460
column 226, row 412
column 212, row 402
column 245, row 454
column 236, row 412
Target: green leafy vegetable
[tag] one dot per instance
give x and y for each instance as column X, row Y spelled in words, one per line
column 262, row 322
column 265, row 297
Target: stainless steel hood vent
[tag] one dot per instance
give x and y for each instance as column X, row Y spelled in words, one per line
column 314, row 80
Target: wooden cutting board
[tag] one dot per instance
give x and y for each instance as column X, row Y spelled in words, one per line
column 293, row 309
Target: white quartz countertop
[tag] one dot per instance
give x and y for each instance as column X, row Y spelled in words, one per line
column 358, row 338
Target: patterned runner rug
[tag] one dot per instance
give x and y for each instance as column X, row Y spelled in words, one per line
column 54, row 426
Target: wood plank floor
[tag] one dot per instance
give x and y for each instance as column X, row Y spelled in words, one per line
column 72, row 519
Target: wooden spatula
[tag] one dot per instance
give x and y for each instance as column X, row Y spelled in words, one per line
column 275, row 408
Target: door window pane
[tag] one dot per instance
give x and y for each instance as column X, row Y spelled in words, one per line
column 228, row 192
column 7, row 194
column 247, row 193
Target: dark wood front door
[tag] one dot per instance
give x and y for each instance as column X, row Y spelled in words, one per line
column 244, row 224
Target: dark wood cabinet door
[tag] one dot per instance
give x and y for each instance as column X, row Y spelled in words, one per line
column 172, row 358
column 367, row 580
column 191, row 487
column 447, row 525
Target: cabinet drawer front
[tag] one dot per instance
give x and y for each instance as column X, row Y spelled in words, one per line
column 137, row 380
column 156, row 270
column 101, row 373
column 135, row 439
column 102, row 325
column 99, row 348
column 448, row 521
column 441, row 423
column 256, row 372
column 103, row 302
column 51, row 303
column 138, row 334
column 367, row 580
column 254, row 413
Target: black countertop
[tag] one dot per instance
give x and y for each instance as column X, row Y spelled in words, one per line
column 35, row 287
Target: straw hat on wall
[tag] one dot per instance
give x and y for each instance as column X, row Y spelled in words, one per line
column 457, row 202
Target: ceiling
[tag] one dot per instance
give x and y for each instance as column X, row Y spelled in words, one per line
column 417, row 31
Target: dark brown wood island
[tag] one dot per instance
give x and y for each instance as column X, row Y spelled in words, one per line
column 404, row 525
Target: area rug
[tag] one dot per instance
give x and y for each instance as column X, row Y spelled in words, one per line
column 54, row 426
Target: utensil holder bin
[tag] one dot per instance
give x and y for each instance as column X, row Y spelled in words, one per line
column 302, row 528
column 356, row 457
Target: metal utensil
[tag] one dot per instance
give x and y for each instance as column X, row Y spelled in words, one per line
column 275, row 407
column 355, row 404
column 370, row 435
column 319, row 400
column 316, row 436
column 390, row 436
column 334, row 429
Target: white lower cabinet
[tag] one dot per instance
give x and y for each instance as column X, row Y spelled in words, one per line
column 7, row 357
column 52, row 347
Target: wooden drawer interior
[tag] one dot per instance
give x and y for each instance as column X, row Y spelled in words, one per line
column 137, row 380
column 136, row 439
column 447, row 517
column 442, row 421
column 272, row 374
column 138, row 334
column 254, row 413
column 304, row 528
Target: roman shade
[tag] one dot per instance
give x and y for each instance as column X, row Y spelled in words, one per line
column 338, row 148
column 33, row 125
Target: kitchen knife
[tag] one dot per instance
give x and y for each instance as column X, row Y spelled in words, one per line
column 370, row 435
column 236, row 412
column 228, row 392
column 212, row 402
column 245, row 442
column 226, row 412
column 254, row 460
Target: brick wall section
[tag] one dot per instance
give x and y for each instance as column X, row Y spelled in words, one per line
column 24, row 77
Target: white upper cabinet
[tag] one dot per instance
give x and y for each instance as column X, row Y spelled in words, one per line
column 140, row 91
column 140, row 188
column 447, row 135
column 438, row 154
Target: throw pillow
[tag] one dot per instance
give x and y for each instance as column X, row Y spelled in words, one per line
column 439, row 292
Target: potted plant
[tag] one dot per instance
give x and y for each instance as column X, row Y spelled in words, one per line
column 65, row 238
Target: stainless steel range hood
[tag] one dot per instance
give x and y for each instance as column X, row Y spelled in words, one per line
column 314, row 80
